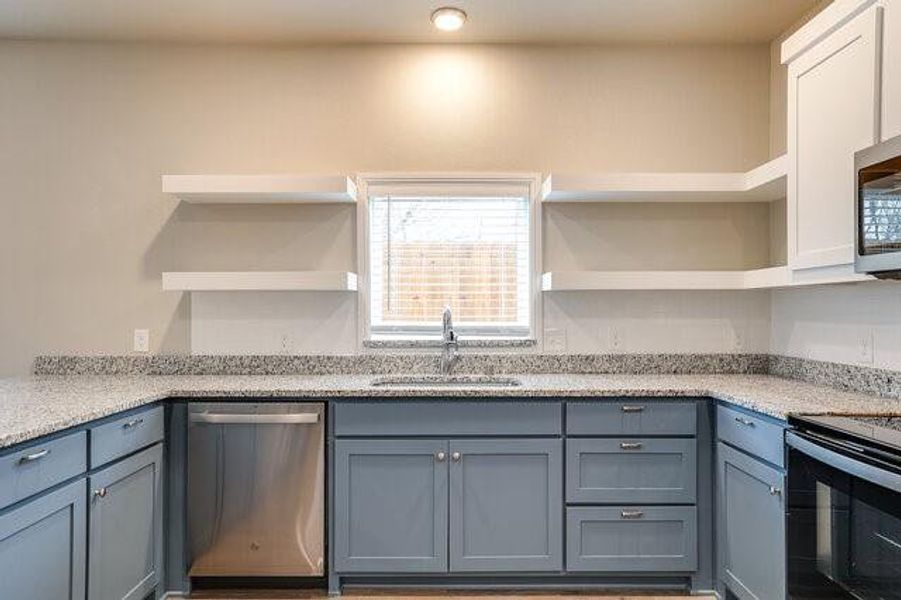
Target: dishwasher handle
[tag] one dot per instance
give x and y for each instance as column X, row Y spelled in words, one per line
column 255, row 419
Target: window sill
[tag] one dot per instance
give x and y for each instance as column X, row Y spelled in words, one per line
column 464, row 343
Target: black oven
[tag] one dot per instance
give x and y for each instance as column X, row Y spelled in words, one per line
column 844, row 510
column 878, row 210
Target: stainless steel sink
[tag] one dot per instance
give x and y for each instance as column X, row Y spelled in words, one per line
column 446, row 380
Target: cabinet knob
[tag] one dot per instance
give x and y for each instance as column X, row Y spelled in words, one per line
column 774, row 491
column 440, row 456
column 456, row 456
column 100, row 493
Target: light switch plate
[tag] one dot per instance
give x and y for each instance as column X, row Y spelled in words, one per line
column 142, row 340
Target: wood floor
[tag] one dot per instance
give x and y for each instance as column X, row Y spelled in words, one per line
column 385, row 595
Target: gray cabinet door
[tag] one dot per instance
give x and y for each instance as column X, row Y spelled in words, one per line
column 631, row 470
column 506, row 505
column 751, row 539
column 42, row 547
column 126, row 527
column 390, row 511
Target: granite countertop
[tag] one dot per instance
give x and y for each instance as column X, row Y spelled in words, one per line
column 40, row 405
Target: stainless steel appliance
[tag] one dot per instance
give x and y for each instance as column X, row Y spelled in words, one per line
column 844, row 508
column 256, row 485
column 878, row 211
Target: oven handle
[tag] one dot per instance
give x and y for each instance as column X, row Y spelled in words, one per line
column 844, row 463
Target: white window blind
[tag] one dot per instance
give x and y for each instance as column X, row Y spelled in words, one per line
column 469, row 252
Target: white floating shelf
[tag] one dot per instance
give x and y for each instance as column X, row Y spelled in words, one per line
column 665, row 280
column 261, row 189
column 314, row 281
column 766, row 183
column 754, row 279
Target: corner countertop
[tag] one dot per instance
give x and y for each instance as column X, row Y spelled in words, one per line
column 35, row 406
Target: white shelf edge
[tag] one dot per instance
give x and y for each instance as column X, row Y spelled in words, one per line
column 641, row 280
column 211, row 281
column 754, row 279
column 261, row 189
column 764, row 183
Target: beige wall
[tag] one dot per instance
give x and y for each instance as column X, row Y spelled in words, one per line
column 87, row 129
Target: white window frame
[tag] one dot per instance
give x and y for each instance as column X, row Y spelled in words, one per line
column 444, row 182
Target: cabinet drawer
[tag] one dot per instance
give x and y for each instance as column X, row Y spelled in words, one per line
column 632, row 538
column 447, row 418
column 28, row 470
column 124, row 435
column 631, row 416
column 631, row 470
column 758, row 435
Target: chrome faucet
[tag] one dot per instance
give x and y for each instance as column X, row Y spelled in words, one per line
column 449, row 342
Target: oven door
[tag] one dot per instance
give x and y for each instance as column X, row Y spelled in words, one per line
column 844, row 521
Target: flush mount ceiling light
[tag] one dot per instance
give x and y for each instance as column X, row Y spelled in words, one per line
column 448, row 18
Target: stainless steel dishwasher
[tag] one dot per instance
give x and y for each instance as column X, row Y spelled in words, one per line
column 256, row 486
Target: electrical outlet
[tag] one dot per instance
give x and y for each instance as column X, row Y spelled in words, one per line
column 286, row 344
column 738, row 341
column 555, row 340
column 617, row 340
column 142, row 340
column 865, row 347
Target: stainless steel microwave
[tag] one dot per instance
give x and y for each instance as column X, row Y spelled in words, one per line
column 878, row 210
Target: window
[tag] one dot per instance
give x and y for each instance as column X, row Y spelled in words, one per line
column 464, row 246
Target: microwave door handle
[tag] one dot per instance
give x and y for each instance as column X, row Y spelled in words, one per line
column 846, row 464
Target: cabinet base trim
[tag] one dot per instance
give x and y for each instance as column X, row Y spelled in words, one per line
column 612, row 581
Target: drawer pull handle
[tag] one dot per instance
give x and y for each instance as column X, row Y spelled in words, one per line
column 132, row 423
column 630, row 445
column 440, row 456
column 100, row 493
column 632, row 409
column 631, row 514
column 745, row 422
column 29, row 458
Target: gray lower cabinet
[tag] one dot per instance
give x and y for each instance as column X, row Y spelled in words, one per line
column 438, row 506
column 126, row 528
column 631, row 538
column 751, row 513
column 506, row 500
column 391, row 506
column 42, row 547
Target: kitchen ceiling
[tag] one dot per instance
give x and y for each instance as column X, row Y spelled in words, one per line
column 379, row 21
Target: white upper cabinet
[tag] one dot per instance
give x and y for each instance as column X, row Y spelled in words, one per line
column 891, row 70
column 834, row 110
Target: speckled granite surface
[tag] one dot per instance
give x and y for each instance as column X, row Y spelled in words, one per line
column 848, row 377
column 400, row 363
column 35, row 406
column 464, row 343
column 868, row 380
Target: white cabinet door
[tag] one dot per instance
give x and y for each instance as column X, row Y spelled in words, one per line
column 891, row 70
column 834, row 111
